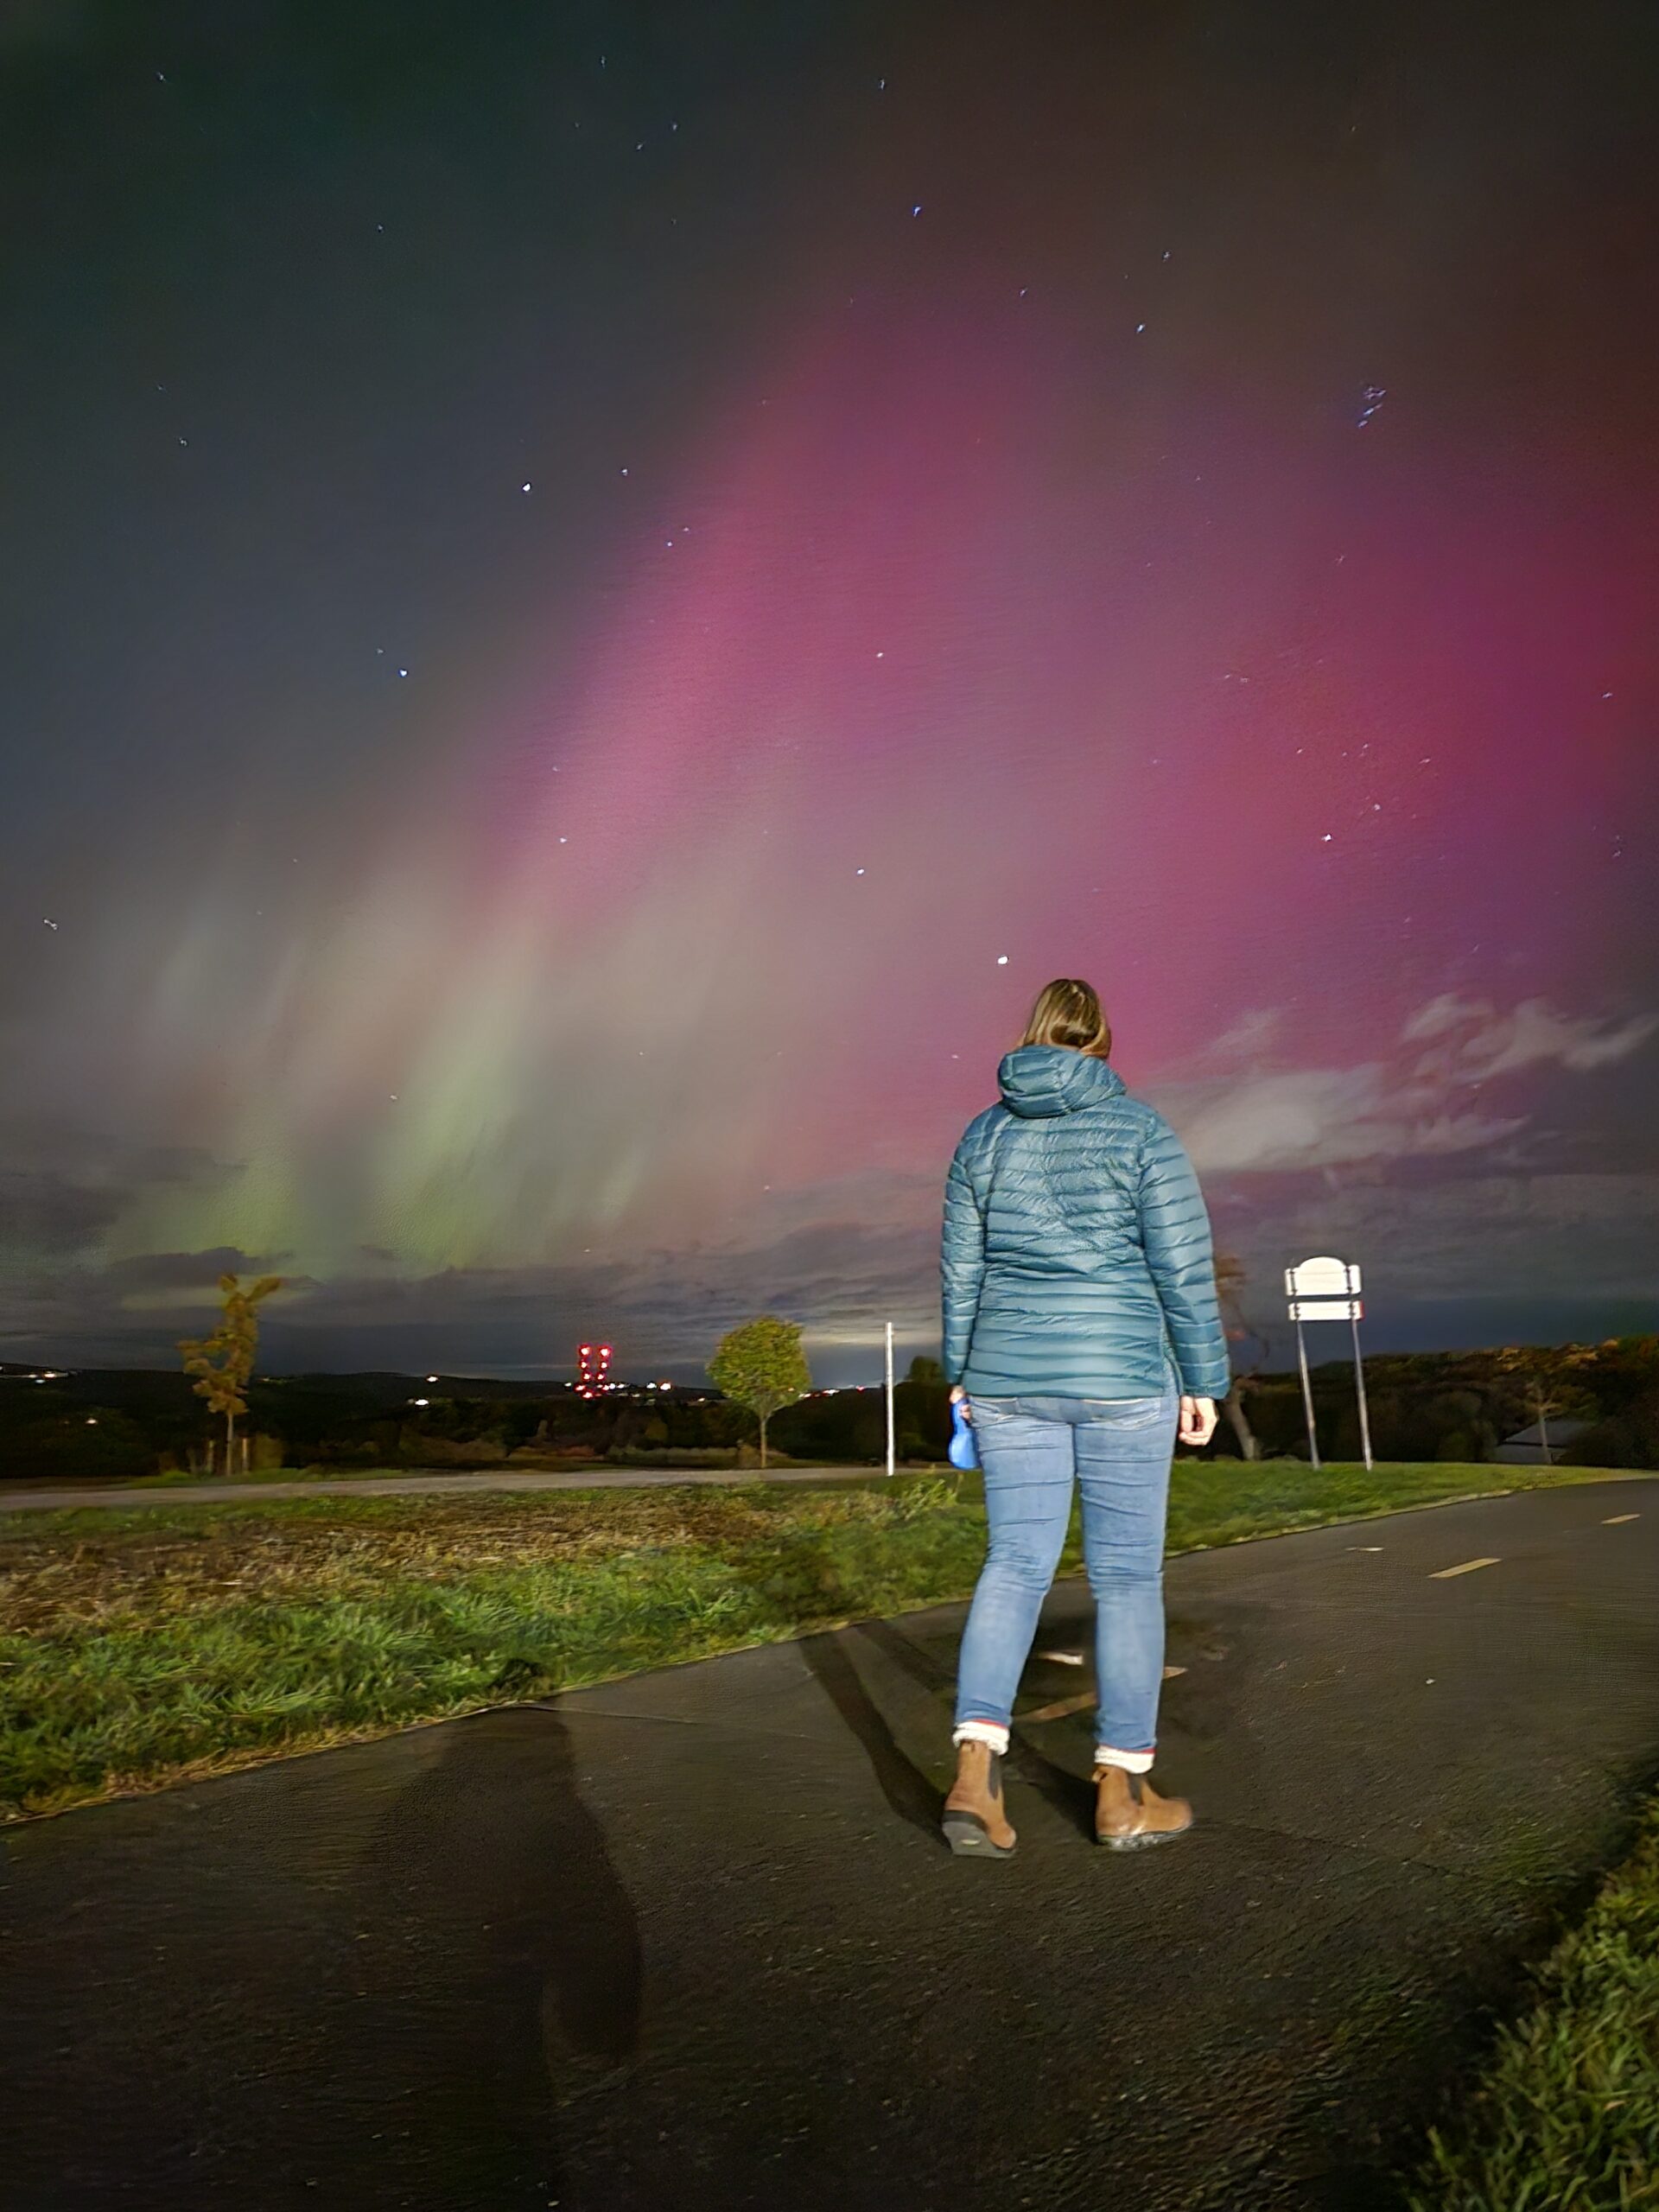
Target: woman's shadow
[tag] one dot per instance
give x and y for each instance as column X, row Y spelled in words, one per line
column 914, row 1794
column 498, row 1969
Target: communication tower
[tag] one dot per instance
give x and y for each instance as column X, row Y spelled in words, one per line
column 593, row 1370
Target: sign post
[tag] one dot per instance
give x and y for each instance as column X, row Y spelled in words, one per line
column 890, row 1422
column 1328, row 1290
column 1359, row 1383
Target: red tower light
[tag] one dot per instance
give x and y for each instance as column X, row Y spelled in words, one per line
column 592, row 1361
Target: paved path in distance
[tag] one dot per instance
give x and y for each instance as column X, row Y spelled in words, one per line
column 691, row 1939
column 444, row 1485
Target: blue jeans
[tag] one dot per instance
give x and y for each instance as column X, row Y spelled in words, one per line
column 1119, row 1451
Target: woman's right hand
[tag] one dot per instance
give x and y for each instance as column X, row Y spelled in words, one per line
column 959, row 1397
column 1197, row 1421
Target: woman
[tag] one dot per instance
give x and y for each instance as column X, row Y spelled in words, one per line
column 1081, row 1327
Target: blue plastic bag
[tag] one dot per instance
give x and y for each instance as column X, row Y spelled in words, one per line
column 963, row 1452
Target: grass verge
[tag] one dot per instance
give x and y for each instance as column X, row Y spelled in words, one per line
column 161, row 1642
column 1566, row 2112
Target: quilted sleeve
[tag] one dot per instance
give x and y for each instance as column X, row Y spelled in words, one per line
column 1175, row 1234
column 962, row 1263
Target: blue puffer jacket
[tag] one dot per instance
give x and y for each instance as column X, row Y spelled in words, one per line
column 1077, row 1260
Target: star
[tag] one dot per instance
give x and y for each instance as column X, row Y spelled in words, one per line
column 51, row 925
column 1001, row 959
column 523, row 488
column 915, row 211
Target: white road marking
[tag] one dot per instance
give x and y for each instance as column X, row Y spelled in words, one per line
column 1063, row 1658
column 1059, row 1709
column 1063, row 1707
column 1613, row 1519
column 1468, row 1568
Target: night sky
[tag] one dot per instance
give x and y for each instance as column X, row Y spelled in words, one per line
column 595, row 596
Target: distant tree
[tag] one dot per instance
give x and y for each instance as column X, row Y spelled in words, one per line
column 923, row 1370
column 1230, row 1279
column 222, row 1362
column 1543, row 1403
column 760, row 1366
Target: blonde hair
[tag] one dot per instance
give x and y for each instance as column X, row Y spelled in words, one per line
column 1069, row 1013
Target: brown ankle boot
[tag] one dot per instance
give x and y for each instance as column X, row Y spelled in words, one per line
column 976, row 1826
column 1129, row 1813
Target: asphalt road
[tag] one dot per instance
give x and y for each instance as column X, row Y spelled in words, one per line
column 692, row 1940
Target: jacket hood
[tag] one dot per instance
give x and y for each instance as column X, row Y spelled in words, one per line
column 1039, row 1081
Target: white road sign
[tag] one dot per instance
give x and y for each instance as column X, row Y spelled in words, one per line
column 1327, row 1289
column 1324, row 1289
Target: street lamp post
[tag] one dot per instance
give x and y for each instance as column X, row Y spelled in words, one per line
column 890, row 1418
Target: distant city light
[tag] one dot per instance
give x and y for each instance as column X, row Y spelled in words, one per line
column 420, row 1402
column 431, row 1378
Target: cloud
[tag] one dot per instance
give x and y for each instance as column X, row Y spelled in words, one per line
column 43, row 1211
column 1523, row 1236
column 1416, row 1104
column 67, row 1187
column 183, row 1270
column 1249, row 1037
column 1476, row 1042
column 1424, row 1163
column 1306, row 1118
column 665, row 1308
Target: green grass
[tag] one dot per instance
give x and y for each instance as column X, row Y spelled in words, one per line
column 595, row 1463
column 1566, row 2112
column 158, row 1642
